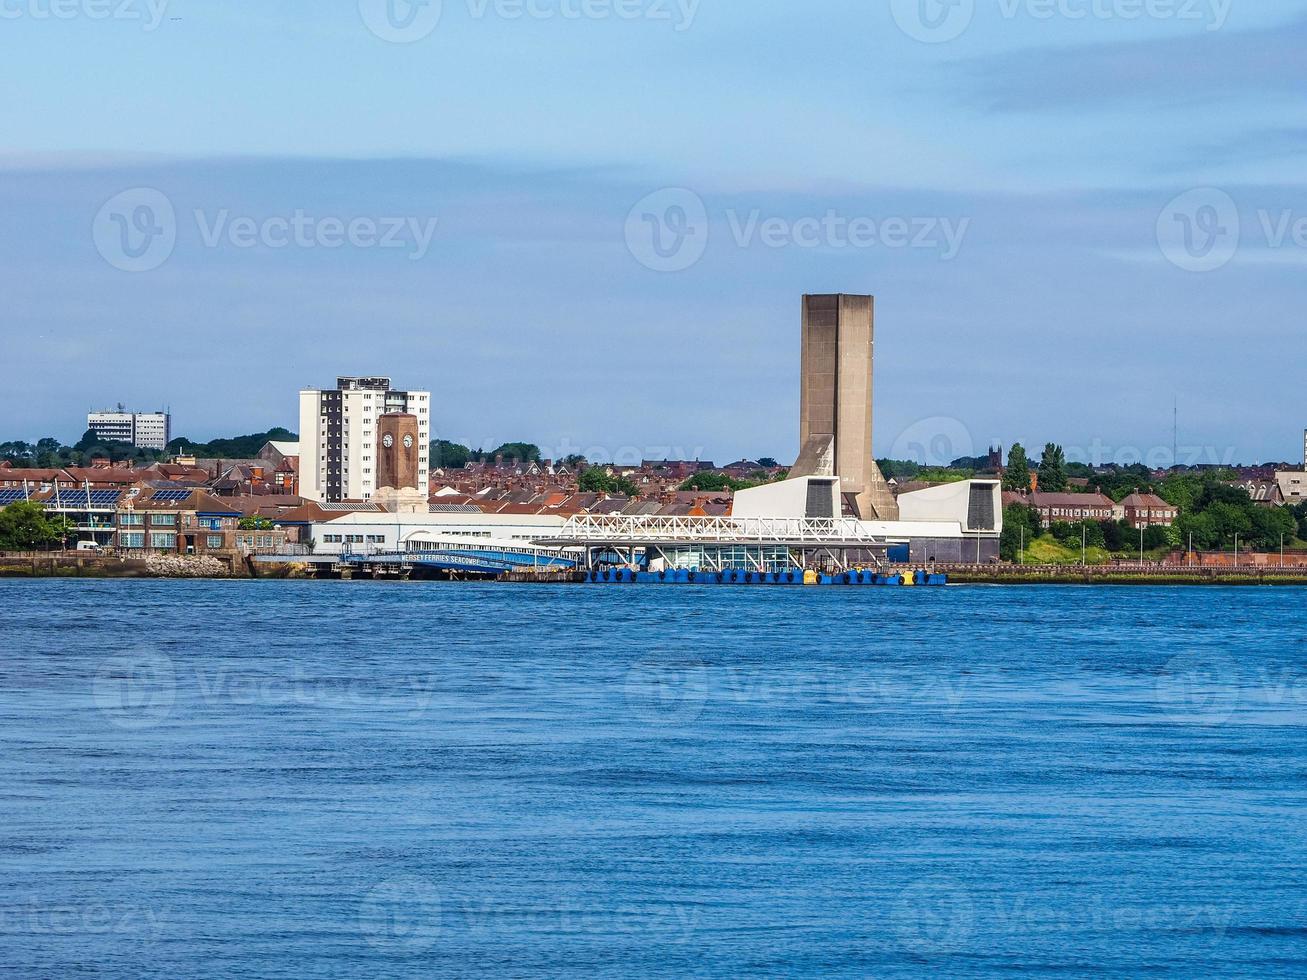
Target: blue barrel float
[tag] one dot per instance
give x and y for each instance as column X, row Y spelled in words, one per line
column 794, row 576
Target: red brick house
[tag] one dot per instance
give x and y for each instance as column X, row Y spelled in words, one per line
column 1072, row 508
column 1149, row 510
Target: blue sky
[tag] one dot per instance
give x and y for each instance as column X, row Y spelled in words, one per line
column 599, row 215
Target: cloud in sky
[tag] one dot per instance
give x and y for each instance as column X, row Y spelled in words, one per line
column 1193, row 68
column 532, row 314
column 1007, row 191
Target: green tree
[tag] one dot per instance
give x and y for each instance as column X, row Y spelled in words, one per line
column 1017, row 474
column 595, row 480
column 898, row 469
column 518, row 452
column 1020, row 524
column 1271, row 525
column 446, row 455
column 717, row 483
column 1052, row 469
column 24, row 527
column 235, row 447
column 255, row 522
column 767, row 463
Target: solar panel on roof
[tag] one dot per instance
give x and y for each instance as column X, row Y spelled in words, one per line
column 170, row 495
column 12, row 495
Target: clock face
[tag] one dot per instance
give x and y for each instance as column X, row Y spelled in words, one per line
column 387, row 440
column 408, row 442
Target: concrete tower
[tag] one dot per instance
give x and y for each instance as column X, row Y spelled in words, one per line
column 835, row 400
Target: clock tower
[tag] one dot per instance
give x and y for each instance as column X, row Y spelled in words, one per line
column 397, row 452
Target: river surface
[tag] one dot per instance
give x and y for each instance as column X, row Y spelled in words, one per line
column 302, row 779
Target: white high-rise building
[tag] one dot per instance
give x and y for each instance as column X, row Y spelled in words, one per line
column 144, row 430
column 338, row 436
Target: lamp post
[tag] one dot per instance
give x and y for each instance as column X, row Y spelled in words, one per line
column 1236, row 549
column 1141, row 544
column 1084, row 544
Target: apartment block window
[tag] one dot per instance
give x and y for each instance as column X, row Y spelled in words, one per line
column 215, row 541
column 131, row 520
column 132, row 539
column 163, row 520
column 162, row 540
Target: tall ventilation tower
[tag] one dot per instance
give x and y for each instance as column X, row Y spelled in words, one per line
column 835, row 401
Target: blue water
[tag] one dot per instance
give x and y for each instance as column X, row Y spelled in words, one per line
column 358, row 779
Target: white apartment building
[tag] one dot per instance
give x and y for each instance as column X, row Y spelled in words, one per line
column 144, row 430
column 338, row 436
